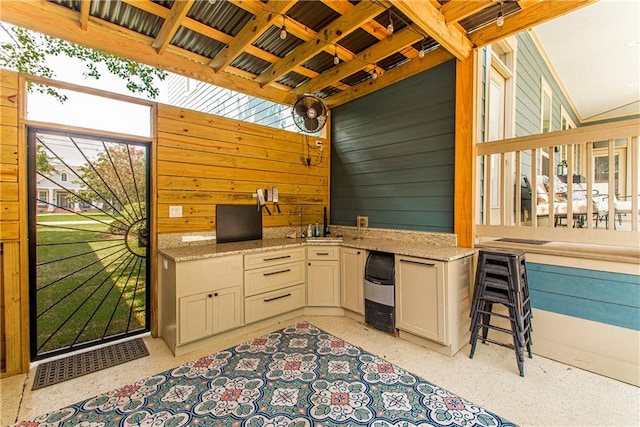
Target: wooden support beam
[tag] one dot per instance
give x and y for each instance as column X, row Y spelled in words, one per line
column 341, row 27
column 85, row 6
column 455, row 11
column 532, row 15
column 171, row 24
column 394, row 75
column 465, row 154
column 429, row 18
column 61, row 22
column 375, row 53
column 249, row 33
column 294, row 28
column 372, row 27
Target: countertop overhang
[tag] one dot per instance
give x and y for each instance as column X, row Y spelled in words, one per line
column 415, row 249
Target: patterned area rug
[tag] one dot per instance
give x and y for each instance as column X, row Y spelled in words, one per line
column 299, row 376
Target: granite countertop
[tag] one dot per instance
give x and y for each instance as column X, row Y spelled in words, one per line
column 416, row 249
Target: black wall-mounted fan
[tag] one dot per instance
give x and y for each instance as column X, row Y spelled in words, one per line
column 310, row 113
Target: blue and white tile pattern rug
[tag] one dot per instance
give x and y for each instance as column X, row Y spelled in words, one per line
column 299, row 376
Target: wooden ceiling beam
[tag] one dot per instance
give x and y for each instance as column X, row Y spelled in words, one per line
column 294, row 27
column 372, row 27
column 394, row 75
column 171, row 24
column 249, row 33
column 155, row 9
column 380, row 50
column 532, row 15
column 85, row 7
column 429, row 18
column 62, row 22
column 339, row 28
column 212, row 33
column 455, row 11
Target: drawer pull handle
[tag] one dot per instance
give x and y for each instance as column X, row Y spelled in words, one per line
column 428, row 264
column 275, row 298
column 276, row 272
column 322, row 253
column 276, row 258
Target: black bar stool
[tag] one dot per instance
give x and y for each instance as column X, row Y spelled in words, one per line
column 501, row 278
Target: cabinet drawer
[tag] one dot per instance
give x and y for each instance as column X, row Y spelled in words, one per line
column 204, row 275
column 267, row 259
column 273, row 278
column 320, row 253
column 270, row 304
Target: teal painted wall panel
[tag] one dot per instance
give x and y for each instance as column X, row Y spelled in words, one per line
column 392, row 154
column 531, row 66
column 611, row 298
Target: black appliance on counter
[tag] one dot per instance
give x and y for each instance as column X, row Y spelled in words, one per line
column 236, row 223
column 379, row 291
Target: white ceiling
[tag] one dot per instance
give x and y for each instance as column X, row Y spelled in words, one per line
column 595, row 51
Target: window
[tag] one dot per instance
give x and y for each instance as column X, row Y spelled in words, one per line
column 88, row 111
column 43, row 198
column 63, row 177
column 545, row 107
column 495, row 129
column 601, row 170
column 497, row 111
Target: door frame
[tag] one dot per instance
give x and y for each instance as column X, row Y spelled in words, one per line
column 31, row 191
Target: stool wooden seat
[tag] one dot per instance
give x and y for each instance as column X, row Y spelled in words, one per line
column 501, row 278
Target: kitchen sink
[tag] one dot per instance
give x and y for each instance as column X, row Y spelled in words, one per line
column 327, row 239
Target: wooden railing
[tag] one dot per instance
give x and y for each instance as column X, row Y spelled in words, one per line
column 597, row 202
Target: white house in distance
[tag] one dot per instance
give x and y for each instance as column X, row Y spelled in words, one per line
column 54, row 190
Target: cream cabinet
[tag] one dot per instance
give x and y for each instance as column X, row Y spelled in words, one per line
column 206, row 314
column 323, row 276
column 433, row 299
column 274, row 283
column 352, row 279
column 199, row 298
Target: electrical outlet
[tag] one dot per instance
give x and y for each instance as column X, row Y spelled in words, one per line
column 320, row 144
column 363, row 221
column 175, row 211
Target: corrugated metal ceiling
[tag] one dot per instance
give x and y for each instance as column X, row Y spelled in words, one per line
column 229, row 18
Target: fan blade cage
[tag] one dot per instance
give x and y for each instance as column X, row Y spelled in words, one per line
column 309, row 113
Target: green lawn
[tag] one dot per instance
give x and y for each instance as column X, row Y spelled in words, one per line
column 92, row 277
column 46, row 217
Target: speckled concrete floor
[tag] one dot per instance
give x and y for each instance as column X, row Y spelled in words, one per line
column 551, row 393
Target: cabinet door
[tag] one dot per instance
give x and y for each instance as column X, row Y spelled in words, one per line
column 227, row 309
column 420, row 297
column 323, row 284
column 352, row 279
column 196, row 317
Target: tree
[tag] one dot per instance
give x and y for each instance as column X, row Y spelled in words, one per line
column 28, row 51
column 117, row 178
column 44, row 162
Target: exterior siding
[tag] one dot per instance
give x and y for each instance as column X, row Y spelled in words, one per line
column 604, row 297
column 393, row 155
column 530, row 67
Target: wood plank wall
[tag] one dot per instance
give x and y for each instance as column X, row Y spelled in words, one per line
column 205, row 160
column 202, row 160
column 10, row 161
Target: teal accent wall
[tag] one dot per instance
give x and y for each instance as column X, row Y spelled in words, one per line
column 530, row 68
column 392, row 154
column 611, row 298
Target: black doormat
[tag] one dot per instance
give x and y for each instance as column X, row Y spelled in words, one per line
column 74, row 366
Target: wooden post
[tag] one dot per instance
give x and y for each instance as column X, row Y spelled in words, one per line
column 465, row 153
